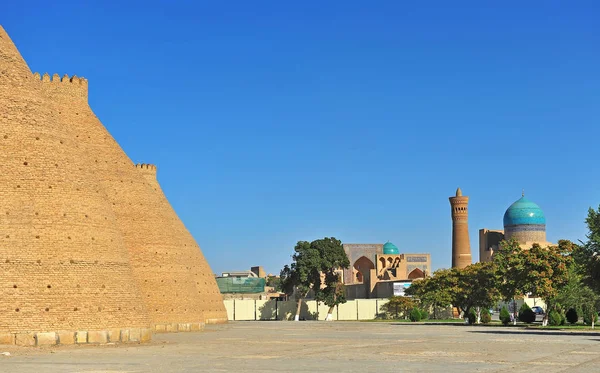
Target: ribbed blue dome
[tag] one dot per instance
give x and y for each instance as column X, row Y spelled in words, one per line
column 390, row 249
column 524, row 212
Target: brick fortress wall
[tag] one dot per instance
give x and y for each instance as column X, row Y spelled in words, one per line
column 63, row 261
column 91, row 245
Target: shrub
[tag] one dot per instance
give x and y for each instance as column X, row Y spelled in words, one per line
column 424, row 315
column 555, row 318
column 526, row 314
column 504, row 316
column 572, row 316
column 415, row 315
column 587, row 318
column 486, row 318
column 472, row 316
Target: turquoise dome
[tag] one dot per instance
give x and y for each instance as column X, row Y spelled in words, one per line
column 390, row 249
column 524, row 212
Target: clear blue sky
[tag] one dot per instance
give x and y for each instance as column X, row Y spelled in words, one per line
column 274, row 122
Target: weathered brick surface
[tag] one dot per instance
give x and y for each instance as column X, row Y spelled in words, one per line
column 63, row 258
column 90, row 241
column 7, row 339
column 66, row 337
column 46, row 339
column 25, row 339
column 81, row 337
column 96, row 336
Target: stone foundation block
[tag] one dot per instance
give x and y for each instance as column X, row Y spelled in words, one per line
column 160, row 328
column 25, row 339
column 134, row 335
column 124, row 335
column 183, row 327
column 66, row 338
column 81, row 337
column 145, row 335
column 98, row 336
column 171, row 327
column 114, row 335
column 195, row 326
column 7, row 339
column 46, row 339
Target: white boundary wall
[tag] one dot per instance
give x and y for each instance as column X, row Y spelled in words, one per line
column 250, row 309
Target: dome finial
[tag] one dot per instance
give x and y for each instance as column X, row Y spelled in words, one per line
column 523, row 193
column 458, row 192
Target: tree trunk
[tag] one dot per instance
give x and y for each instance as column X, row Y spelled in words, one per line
column 478, row 315
column 330, row 314
column 515, row 313
column 298, row 307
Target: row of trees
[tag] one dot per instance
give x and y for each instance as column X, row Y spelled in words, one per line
column 316, row 267
column 564, row 276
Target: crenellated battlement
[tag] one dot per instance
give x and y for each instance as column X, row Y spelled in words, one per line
column 147, row 169
column 71, row 87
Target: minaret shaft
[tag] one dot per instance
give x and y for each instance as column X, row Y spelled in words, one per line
column 461, row 247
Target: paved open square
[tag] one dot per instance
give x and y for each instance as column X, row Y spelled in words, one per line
column 326, row 347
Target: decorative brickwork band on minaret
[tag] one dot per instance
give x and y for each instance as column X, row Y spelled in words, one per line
column 461, row 248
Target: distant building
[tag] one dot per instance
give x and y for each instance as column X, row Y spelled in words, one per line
column 248, row 284
column 375, row 268
column 524, row 221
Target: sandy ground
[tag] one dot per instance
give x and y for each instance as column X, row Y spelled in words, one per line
column 326, row 347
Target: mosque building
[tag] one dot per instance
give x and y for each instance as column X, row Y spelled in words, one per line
column 524, row 221
column 380, row 271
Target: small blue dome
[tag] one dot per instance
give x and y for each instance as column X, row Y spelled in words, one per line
column 524, row 212
column 390, row 249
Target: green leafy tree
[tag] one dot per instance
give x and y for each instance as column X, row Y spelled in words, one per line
column 328, row 286
column 577, row 295
column 398, row 306
column 476, row 288
column 546, row 271
column 510, row 271
column 435, row 292
column 587, row 256
column 415, row 315
column 299, row 277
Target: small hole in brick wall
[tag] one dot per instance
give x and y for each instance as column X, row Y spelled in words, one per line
column 49, row 186
column 49, row 286
column 99, row 308
column 7, row 261
column 95, row 262
column 156, row 309
column 93, row 238
column 47, row 309
column 7, row 236
column 6, row 136
column 119, row 308
column 56, row 165
column 18, row 186
column 37, row 236
column 25, row 163
column 69, row 237
column 39, row 261
column 148, row 296
column 37, row 213
column 17, row 310
column 78, row 285
column 61, row 141
column 15, row 286
column 7, row 213
column 86, row 215
column 71, row 261
column 75, row 309
column 103, row 286
column 37, row 138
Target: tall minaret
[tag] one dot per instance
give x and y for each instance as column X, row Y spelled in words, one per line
column 461, row 248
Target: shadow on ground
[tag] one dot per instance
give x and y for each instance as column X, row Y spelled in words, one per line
column 537, row 332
